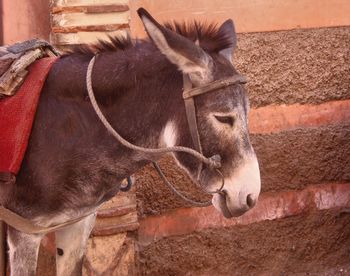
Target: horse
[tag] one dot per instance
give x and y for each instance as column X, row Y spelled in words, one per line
column 73, row 164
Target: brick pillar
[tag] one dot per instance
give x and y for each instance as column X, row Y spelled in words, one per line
column 84, row 21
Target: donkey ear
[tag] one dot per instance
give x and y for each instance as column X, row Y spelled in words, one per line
column 227, row 29
column 182, row 52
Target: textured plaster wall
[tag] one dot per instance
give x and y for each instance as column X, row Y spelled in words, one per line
column 308, row 244
column 298, row 66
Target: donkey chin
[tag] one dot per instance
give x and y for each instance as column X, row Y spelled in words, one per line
column 241, row 190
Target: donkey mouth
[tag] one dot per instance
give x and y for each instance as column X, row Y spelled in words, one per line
column 221, row 203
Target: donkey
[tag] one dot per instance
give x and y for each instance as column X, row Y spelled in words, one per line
column 73, row 165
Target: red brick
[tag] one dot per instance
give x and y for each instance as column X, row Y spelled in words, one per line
column 286, row 117
column 270, row 206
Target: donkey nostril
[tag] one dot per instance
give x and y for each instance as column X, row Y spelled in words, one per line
column 250, row 201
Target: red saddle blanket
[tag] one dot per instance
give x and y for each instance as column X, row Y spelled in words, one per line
column 17, row 115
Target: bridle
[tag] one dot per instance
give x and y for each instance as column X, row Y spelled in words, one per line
column 188, row 95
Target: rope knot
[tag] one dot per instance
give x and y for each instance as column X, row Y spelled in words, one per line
column 215, row 162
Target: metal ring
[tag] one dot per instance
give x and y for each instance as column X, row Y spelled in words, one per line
column 219, row 191
column 127, row 187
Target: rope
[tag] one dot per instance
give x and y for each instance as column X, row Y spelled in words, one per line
column 175, row 191
column 212, row 162
column 27, row 226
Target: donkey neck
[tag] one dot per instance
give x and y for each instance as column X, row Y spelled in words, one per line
column 139, row 92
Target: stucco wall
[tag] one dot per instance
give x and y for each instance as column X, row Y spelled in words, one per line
column 298, row 245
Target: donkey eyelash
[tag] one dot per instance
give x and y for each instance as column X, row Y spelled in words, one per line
column 228, row 120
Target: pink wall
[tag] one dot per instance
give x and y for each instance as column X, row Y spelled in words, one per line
column 25, row 19
column 249, row 15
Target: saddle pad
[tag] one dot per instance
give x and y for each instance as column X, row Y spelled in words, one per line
column 17, row 115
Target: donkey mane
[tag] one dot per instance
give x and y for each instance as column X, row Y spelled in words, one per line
column 115, row 43
column 209, row 37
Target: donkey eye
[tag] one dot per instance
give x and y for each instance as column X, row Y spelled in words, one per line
column 229, row 120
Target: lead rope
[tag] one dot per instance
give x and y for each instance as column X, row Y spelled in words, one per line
column 175, row 191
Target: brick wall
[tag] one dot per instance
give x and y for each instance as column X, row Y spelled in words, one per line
column 85, row 21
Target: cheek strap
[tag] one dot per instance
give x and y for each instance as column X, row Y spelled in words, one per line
column 192, row 119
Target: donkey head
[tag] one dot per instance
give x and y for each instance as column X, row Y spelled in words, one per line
column 222, row 116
